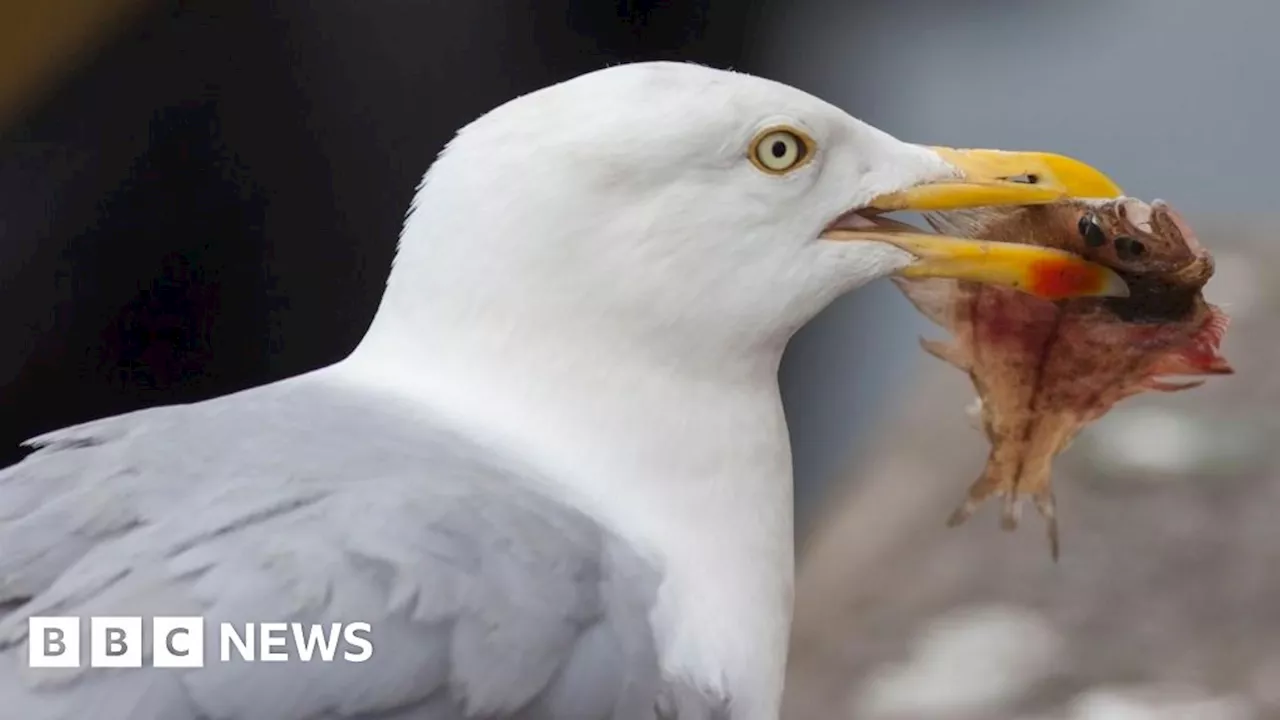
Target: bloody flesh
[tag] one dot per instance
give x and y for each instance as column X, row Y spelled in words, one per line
column 1044, row 369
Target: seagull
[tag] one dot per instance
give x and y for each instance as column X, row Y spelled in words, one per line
column 554, row 477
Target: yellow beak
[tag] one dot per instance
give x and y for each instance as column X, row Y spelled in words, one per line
column 1044, row 272
column 998, row 177
column 994, row 178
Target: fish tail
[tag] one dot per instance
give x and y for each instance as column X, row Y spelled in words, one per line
column 1034, row 481
column 1009, row 477
column 1048, row 508
column 995, row 480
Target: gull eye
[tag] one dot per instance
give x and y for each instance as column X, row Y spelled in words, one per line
column 779, row 150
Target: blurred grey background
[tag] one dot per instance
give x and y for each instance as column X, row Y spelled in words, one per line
column 1167, row 602
column 1176, row 99
column 200, row 196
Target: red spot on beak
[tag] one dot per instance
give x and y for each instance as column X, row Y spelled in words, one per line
column 1060, row 279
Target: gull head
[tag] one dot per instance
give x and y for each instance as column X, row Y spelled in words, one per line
column 599, row 279
column 675, row 205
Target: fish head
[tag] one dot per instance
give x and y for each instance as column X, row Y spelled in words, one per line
column 1141, row 241
column 1150, row 245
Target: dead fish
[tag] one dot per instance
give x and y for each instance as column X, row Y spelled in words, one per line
column 1044, row 369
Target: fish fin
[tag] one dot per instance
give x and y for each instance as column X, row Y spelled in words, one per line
column 948, row 352
column 1166, row 386
column 1200, row 356
column 935, row 298
column 1216, row 326
column 1194, row 360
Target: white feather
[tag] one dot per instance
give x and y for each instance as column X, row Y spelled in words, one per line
column 596, row 285
column 597, row 278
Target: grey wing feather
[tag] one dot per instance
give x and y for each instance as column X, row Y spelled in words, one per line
column 301, row 502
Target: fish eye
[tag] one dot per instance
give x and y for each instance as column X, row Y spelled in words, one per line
column 780, row 150
column 1092, row 234
column 1128, row 248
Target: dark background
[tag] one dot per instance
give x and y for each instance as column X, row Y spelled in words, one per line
column 211, row 199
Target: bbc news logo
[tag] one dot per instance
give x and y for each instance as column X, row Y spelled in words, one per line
column 179, row 642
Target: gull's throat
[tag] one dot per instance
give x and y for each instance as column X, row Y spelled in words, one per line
column 693, row 470
column 870, row 219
